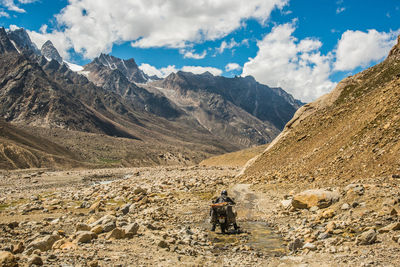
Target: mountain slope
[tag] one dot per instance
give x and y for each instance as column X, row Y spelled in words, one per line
column 240, row 109
column 267, row 104
column 348, row 134
column 19, row 149
column 234, row 159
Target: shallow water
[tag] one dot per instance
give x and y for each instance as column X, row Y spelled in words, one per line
column 255, row 235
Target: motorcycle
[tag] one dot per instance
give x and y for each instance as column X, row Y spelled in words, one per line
column 221, row 215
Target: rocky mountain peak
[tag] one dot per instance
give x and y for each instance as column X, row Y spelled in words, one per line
column 49, row 51
column 5, row 43
column 128, row 67
column 22, row 41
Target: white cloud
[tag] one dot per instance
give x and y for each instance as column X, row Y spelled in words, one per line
column 200, row 70
column 225, row 45
column 357, row 48
column 11, row 6
column 232, row 66
column 162, row 73
column 340, row 10
column 192, row 54
column 13, row 27
column 27, row 1
column 4, row 14
column 94, row 26
column 59, row 40
column 295, row 65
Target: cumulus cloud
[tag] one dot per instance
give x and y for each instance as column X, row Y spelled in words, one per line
column 295, row 65
column 225, row 45
column 162, row 73
column 94, row 26
column 232, row 66
column 59, row 40
column 192, row 54
column 357, row 48
column 4, row 14
column 11, row 6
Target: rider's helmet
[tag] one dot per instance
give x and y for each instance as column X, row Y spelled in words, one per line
column 224, row 193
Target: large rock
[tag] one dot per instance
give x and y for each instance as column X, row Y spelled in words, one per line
column 391, row 227
column 104, row 220
column 316, row 197
column 117, row 233
column 7, row 259
column 367, row 238
column 295, row 244
column 63, row 244
column 84, row 237
column 131, row 229
column 44, row 243
column 82, row 227
column 35, row 260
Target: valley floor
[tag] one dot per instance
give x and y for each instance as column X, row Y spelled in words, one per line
column 158, row 216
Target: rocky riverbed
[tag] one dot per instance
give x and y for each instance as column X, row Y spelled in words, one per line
column 158, row 216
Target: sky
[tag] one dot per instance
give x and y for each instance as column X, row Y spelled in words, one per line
column 303, row 46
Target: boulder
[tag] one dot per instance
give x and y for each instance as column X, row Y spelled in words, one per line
column 45, row 243
column 104, row 220
column 286, row 203
column 35, row 260
column 131, row 229
column 84, row 237
column 330, row 227
column 7, row 259
column 345, row 206
column 82, row 227
column 109, row 227
column 125, row 208
column 139, row 190
column 97, row 229
column 310, row 246
column 315, row 197
column 18, row 248
column 117, row 233
column 163, row 244
column 295, row 245
column 367, row 238
column 356, row 188
column 391, row 227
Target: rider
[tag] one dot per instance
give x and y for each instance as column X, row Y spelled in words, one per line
column 221, row 199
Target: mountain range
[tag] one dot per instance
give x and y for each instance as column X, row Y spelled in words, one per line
column 144, row 120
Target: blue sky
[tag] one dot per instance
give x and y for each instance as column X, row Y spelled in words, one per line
column 303, row 46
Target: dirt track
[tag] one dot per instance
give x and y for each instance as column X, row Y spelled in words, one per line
column 170, row 206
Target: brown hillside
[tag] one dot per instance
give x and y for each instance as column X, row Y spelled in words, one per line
column 19, row 149
column 352, row 133
column 234, row 159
